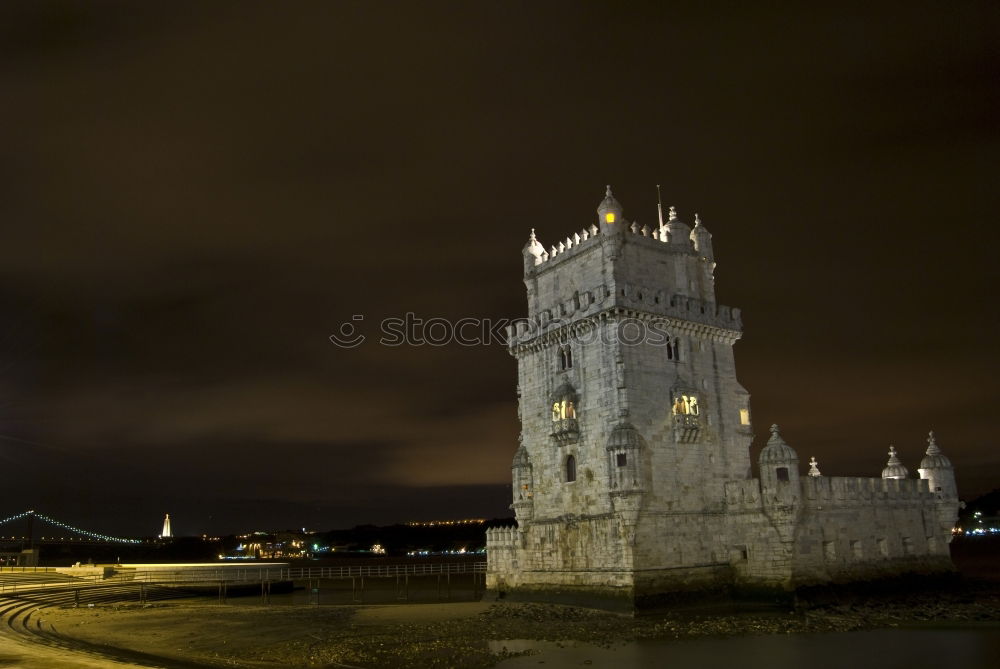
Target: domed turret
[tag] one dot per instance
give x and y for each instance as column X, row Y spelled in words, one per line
column 934, row 458
column 779, row 475
column 777, row 452
column 937, row 469
column 678, row 232
column 625, row 447
column 523, row 485
column 534, row 252
column 894, row 469
column 609, row 213
column 702, row 240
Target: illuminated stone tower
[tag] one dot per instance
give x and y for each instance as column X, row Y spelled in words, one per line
column 633, row 475
column 632, row 417
column 166, row 533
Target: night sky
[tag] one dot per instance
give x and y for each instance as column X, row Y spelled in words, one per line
column 195, row 196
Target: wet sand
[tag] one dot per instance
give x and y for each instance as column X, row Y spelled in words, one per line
column 460, row 634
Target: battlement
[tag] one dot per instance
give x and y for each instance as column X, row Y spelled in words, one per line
column 652, row 303
column 587, row 238
column 818, row 490
column 501, row 537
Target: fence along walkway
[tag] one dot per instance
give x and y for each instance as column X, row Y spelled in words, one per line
column 12, row 582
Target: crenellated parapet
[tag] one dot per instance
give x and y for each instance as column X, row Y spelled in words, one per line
column 860, row 491
column 676, row 313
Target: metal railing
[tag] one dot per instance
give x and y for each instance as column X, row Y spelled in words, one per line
column 233, row 575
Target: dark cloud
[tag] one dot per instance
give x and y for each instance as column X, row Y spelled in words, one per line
column 195, row 197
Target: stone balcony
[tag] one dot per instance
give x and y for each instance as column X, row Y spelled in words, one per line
column 565, row 431
column 687, row 427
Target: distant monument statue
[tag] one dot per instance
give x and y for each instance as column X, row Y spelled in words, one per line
column 166, row 533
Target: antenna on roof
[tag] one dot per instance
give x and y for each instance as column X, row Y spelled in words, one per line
column 659, row 205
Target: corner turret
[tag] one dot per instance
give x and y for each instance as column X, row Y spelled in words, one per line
column 702, row 240
column 779, row 463
column 781, row 488
column 940, row 475
column 523, row 504
column 937, row 469
column 609, row 214
column 534, row 253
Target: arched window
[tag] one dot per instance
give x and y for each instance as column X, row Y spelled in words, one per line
column 565, row 357
column 570, row 468
column 677, row 353
column 670, row 350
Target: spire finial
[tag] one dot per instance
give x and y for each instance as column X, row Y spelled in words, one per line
column 814, row 467
column 774, row 427
column 608, row 191
column 697, row 219
column 932, row 447
column 659, row 205
column 672, row 216
column 532, row 235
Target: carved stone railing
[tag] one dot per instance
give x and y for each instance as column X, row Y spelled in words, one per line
column 565, row 431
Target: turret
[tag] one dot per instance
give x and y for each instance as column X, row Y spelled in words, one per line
column 894, row 469
column 702, row 240
column 534, row 253
column 625, row 453
column 779, row 470
column 609, row 214
column 940, row 475
column 937, row 469
column 780, row 486
column 523, row 504
column 678, row 232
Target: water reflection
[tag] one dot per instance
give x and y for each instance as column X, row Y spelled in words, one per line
column 965, row 648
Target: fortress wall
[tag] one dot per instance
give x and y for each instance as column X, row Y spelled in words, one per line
column 743, row 495
column 853, row 541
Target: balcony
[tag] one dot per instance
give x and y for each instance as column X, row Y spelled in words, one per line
column 565, row 431
column 686, row 427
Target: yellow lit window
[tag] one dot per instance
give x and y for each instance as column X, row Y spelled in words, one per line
column 744, row 416
column 686, row 405
column 609, row 217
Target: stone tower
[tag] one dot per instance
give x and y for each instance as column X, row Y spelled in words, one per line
column 632, row 416
column 632, row 480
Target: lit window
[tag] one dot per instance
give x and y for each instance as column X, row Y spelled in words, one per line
column 686, row 405
column 609, row 217
column 563, row 409
column 744, row 416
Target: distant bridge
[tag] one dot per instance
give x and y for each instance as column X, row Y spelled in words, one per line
column 31, row 514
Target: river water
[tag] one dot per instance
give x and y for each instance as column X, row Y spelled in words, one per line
column 968, row 647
